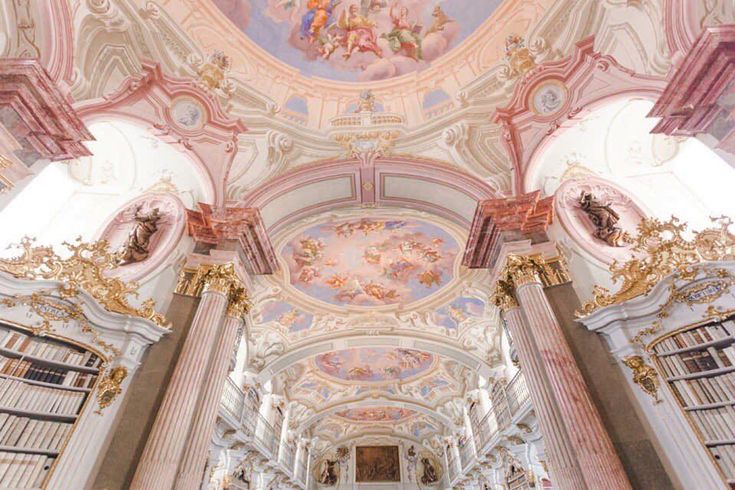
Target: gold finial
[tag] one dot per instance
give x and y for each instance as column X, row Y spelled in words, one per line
column 661, row 250
column 86, row 269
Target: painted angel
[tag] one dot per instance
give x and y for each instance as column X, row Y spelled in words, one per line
column 317, row 17
column 405, row 36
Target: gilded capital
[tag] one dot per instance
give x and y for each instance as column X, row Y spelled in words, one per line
column 504, row 296
column 239, row 303
column 220, row 278
column 524, row 269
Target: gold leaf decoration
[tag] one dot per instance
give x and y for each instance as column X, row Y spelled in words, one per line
column 85, row 269
column 660, row 249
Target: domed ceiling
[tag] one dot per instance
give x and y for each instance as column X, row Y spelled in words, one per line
column 371, row 262
column 357, row 40
column 375, row 364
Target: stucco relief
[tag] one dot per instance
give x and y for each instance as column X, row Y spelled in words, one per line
column 581, row 228
column 170, row 228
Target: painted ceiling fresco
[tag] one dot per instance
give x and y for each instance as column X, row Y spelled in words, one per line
column 376, row 414
column 459, row 310
column 286, row 315
column 374, row 364
column 371, row 262
column 357, row 40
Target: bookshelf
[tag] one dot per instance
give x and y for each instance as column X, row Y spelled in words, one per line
column 516, row 478
column 697, row 363
column 44, row 386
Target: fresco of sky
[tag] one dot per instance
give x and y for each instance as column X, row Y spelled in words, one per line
column 451, row 315
column 287, row 316
column 371, row 262
column 357, row 40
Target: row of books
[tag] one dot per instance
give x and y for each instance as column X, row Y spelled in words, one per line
column 20, row 368
column 725, row 456
column 716, row 424
column 696, row 336
column 698, row 361
column 703, row 391
column 43, row 349
column 21, row 471
column 25, row 432
column 22, row 396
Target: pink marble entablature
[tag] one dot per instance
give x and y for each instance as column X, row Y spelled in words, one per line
column 578, row 225
column 164, row 240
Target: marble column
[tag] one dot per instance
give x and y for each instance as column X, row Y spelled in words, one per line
column 586, row 434
column 565, row 472
column 165, row 446
column 200, row 435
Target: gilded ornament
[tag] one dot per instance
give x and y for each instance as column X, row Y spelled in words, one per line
column 524, row 269
column 644, row 376
column 220, row 278
column 660, row 249
column 109, row 387
column 84, row 270
column 504, row 296
column 239, row 304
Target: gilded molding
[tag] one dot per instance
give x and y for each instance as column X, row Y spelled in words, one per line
column 662, row 250
column 220, row 278
column 84, row 270
column 504, row 296
column 524, row 269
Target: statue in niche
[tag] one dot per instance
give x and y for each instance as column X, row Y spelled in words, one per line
column 605, row 220
column 430, row 475
column 328, row 473
column 136, row 247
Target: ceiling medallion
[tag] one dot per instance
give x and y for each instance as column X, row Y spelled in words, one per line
column 84, row 270
column 548, row 98
column 663, row 250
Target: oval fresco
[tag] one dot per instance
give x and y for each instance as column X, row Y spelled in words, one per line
column 376, row 414
column 374, row 364
column 357, row 40
column 371, row 262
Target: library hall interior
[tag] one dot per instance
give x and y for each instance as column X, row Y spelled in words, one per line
column 367, row 244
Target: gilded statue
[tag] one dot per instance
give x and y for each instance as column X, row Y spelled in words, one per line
column 137, row 247
column 605, row 219
column 643, row 375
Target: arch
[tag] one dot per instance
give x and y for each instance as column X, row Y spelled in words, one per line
column 399, row 181
column 405, row 341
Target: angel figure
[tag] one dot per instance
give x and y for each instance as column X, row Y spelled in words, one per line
column 360, row 31
column 405, row 35
column 317, row 16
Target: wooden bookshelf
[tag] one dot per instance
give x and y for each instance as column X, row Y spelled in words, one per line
column 516, row 478
column 697, row 362
column 44, row 385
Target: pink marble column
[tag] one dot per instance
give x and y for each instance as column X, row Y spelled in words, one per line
column 563, row 467
column 200, row 436
column 163, row 451
column 595, row 454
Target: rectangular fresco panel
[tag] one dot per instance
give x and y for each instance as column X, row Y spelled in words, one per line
column 377, row 464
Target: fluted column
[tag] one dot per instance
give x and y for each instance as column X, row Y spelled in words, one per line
column 195, row 453
column 565, row 472
column 595, row 454
column 162, row 454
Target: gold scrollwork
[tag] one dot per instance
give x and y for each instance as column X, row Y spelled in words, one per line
column 84, row 270
column 644, row 376
column 661, row 249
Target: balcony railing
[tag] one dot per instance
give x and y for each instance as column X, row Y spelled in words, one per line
column 466, row 453
column 451, row 467
column 518, row 395
column 233, row 399
column 287, row 456
column 265, row 435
